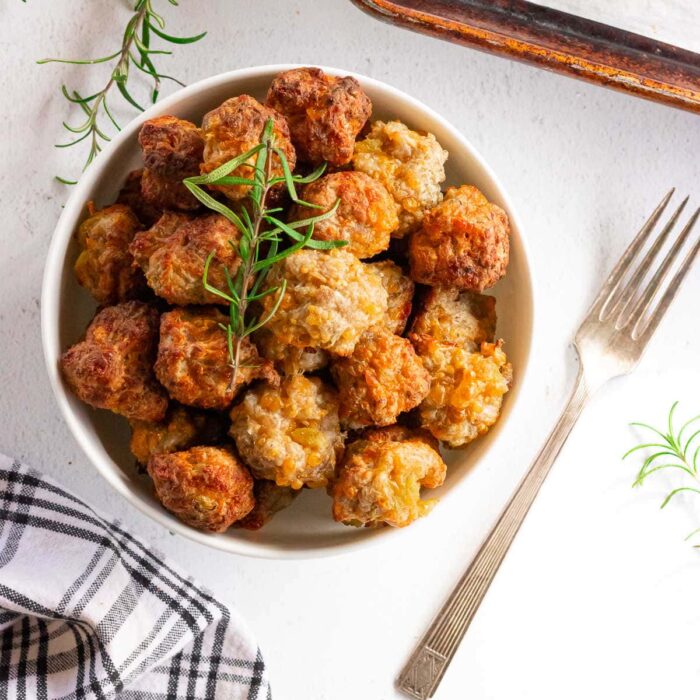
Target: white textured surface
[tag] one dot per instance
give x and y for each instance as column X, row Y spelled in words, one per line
column 598, row 596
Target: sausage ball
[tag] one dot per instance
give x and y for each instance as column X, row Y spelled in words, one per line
column 466, row 319
column 130, row 194
column 365, row 217
column 269, row 500
column 105, row 266
column 381, row 476
column 173, row 254
column 462, row 243
column 112, row 367
column 193, row 360
column 381, row 379
column 172, row 150
column 234, row 128
column 331, row 299
column 148, row 242
column 180, row 429
column 289, row 434
column 409, row 164
column 162, row 192
column 171, row 147
column 324, row 113
column 466, row 390
column 287, row 358
column 206, row 487
column 399, row 288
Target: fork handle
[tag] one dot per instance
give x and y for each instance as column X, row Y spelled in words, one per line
column 428, row 663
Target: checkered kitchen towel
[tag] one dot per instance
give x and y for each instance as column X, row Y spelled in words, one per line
column 89, row 611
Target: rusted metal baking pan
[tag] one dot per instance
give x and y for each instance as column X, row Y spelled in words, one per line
column 556, row 41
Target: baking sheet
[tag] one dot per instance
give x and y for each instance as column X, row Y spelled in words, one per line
column 675, row 22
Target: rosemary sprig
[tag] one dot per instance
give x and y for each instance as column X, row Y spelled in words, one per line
column 135, row 51
column 671, row 450
column 263, row 235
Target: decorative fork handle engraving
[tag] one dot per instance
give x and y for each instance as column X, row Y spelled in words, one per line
column 428, row 663
column 423, row 672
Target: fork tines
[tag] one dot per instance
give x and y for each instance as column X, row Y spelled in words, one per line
column 627, row 303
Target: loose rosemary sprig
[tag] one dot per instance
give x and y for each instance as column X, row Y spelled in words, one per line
column 263, row 236
column 672, row 450
column 135, row 51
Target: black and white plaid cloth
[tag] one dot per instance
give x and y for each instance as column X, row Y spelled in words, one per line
column 89, row 611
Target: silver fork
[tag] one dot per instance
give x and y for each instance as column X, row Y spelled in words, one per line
column 609, row 343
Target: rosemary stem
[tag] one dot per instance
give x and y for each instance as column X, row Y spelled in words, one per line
column 249, row 263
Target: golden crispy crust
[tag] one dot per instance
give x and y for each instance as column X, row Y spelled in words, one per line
column 269, row 500
column 399, row 433
column 467, row 319
column 466, row 390
column 193, row 362
column 130, row 194
column 234, row 128
column 181, row 429
column 112, row 367
column 163, row 192
column 381, row 379
column 206, row 487
column 365, row 217
column 148, row 242
column 324, row 113
column 462, row 243
column 380, row 478
column 289, row 434
column 171, row 147
column 174, row 251
column 399, row 288
column 408, row 163
column 331, row 299
column 287, row 358
column 105, row 266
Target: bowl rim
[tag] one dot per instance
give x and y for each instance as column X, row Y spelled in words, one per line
column 51, row 304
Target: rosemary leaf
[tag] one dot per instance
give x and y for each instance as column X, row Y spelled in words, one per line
column 135, row 50
column 671, row 444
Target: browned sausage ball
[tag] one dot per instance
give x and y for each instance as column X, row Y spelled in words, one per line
column 289, row 434
column 171, row 147
column 234, row 128
column 180, row 429
column 172, row 150
column 462, row 243
column 467, row 319
column 206, row 487
column 381, row 379
column 399, row 288
column 288, row 358
column 193, row 360
column 365, row 217
column 409, row 164
column 324, row 113
column 105, row 266
column 113, row 366
column 148, row 242
column 163, row 192
column 131, row 195
column 269, row 500
column 380, row 478
column 466, row 390
column 331, row 299
column 174, row 251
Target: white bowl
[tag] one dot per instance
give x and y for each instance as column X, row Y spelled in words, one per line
column 306, row 528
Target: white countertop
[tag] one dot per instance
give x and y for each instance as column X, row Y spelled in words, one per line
column 598, row 597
